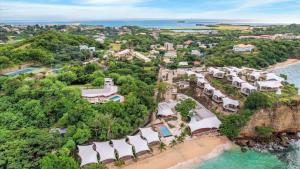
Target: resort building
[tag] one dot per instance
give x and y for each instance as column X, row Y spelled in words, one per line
column 201, row 82
column 85, row 47
column 230, row 104
column 204, row 125
column 169, row 46
column 243, row 48
column 105, row 151
column 209, row 90
column 108, row 92
column 268, row 86
column 87, row 155
column 273, row 77
column 151, row 136
column 165, row 109
column 230, row 76
column 124, row 150
column 237, row 82
column 254, row 76
column 179, row 46
column 247, row 88
column 216, row 73
column 140, row 146
column 218, row 96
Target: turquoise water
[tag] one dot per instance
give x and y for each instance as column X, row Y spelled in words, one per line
column 21, row 71
column 292, row 72
column 115, row 98
column 235, row 159
column 165, row 131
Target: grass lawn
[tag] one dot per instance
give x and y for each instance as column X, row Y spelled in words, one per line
column 116, row 47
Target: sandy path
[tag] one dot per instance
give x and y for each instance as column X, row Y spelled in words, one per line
column 194, row 150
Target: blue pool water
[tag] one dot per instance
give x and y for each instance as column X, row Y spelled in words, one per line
column 21, row 71
column 165, row 131
column 115, row 98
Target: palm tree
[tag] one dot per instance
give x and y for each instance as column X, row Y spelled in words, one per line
column 162, row 146
column 173, row 142
column 162, row 88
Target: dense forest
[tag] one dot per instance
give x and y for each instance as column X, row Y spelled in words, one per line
column 30, row 108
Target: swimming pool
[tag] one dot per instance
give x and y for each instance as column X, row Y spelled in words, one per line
column 21, row 71
column 165, row 131
column 115, row 98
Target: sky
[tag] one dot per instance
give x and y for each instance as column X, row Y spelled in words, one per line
column 265, row 11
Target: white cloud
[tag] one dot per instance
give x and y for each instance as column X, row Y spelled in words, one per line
column 51, row 12
column 110, row 2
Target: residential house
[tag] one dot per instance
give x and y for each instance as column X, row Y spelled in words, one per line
column 243, row 48
column 169, row 46
column 85, row 47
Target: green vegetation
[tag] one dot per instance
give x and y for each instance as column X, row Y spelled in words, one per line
column 184, row 107
column 50, row 47
column 263, row 131
column 29, row 108
column 257, row 101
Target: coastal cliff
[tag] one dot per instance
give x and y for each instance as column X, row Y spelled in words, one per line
column 282, row 120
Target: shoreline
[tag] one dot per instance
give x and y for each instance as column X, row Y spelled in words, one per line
column 284, row 64
column 183, row 155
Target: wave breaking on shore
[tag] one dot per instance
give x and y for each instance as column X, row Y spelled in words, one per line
column 197, row 160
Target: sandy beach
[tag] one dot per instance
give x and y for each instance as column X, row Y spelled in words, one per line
column 184, row 155
column 283, row 64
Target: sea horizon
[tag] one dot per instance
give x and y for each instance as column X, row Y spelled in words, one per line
column 147, row 23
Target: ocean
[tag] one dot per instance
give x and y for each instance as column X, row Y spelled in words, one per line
column 292, row 72
column 235, row 159
column 188, row 23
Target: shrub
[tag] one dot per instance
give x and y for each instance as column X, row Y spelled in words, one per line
column 258, row 100
column 263, row 131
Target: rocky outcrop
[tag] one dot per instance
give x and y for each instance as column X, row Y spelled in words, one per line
column 284, row 118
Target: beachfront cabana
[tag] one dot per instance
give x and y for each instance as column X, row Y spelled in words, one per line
column 201, row 83
column 230, row 76
column 237, row 82
column 230, row 104
column 206, row 124
column 140, row 145
column 217, row 96
column 209, row 90
column 151, row 136
column 123, row 149
column 268, row 86
column 254, row 76
column 165, row 109
column 273, row 77
column 87, row 155
column 106, row 152
column 247, row 88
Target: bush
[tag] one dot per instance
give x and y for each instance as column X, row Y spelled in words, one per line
column 263, row 131
column 184, row 107
column 257, row 101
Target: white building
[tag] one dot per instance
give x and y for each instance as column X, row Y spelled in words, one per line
column 268, row 85
column 85, row 47
column 230, row 104
column 247, row 88
column 169, row 46
column 243, row 48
